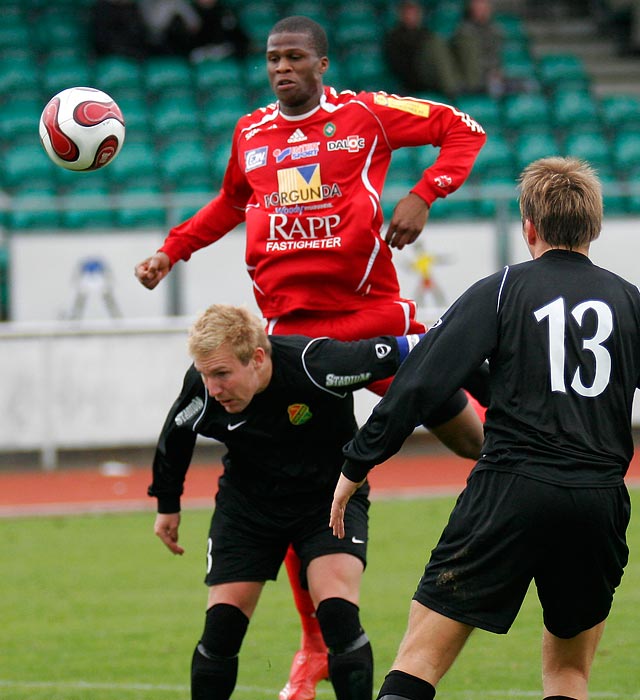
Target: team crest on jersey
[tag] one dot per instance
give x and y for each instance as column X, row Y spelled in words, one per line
column 255, row 158
column 299, row 413
column 329, row 129
column 417, row 107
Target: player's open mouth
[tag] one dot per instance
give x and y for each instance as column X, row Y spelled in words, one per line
column 285, row 84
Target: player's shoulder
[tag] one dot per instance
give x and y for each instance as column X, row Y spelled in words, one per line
column 258, row 118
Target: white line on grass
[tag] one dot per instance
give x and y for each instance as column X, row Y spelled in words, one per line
column 270, row 692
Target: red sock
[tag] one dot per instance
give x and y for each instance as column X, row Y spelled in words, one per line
column 311, row 635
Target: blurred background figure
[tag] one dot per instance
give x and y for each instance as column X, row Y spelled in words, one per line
column 420, row 59
column 200, row 29
column 117, row 27
column 477, row 45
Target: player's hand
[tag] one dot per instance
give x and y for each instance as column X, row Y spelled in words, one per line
column 408, row 219
column 153, row 270
column 166, row 528
column 345, row 488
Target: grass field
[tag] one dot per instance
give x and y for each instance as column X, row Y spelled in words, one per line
column 96, row 607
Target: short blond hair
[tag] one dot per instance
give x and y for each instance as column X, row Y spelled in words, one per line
column 234, row 325
column 562, row 197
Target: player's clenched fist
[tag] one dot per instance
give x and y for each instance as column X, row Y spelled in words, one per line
column 153, row 270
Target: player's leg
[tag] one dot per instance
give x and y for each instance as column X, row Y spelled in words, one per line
column 429, row 647
column 309, row 665
column 334, row 581
column 566, row 663
column 214, row 665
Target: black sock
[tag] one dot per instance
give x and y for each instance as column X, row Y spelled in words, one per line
column 558, row 697
column 399, row 685
column 351, row 673
column 212, row 676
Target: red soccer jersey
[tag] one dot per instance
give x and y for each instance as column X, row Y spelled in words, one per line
column 308, row 188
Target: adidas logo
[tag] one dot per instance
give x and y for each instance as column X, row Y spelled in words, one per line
column 296, row 137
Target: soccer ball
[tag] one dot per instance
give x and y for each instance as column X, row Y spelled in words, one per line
column 82, row 128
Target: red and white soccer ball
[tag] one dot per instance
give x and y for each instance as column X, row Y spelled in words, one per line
column 82, row 128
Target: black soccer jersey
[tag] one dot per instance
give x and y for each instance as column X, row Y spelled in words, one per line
column 286, row 447
column 562, row 337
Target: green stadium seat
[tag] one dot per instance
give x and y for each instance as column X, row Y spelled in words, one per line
column 562, row 71
column 20, row 120
column 257, row 17
column 136, row 115
column 615, row 202
column 620, row 111
column 219, row 119
column 592, row 146
column 185, row 163
column 633, row 202
column 495, row 159
column 311, row 9
column 19, row 73
column 138, row 208
column 168, row 74
column 34, row 208
column 170, row 117
column 527, row 111
column 497, row 194
column 88, row 205
column 26, row 163
column 14, row 33
column 352, row 28
column 210, row 75
column 118, row 76
column 483, row 108
column 137, row 163
column 57, row 75
column 575, row 109
column 366, row 68
column 219, row 159
column 528, row 147
column 626, row 152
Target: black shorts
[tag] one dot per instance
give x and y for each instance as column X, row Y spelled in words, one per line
column 507, row 530
column 248, row 540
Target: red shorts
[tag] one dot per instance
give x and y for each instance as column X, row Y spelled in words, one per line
column 394, row 318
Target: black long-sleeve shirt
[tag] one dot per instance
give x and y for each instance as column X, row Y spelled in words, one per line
column 562, row 337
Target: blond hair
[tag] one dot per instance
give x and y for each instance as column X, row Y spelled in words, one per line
column 224, row 324
column 562, row 197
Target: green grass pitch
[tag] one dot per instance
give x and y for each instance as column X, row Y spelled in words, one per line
column 96, row 607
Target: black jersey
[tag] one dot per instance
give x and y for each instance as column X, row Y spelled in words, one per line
column 286, row 446
column 562, row 337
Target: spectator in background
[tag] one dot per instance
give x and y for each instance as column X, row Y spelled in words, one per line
column 200, row 29
column 170, row 25
column 420, row 59
column 220, row 34
column 117, row 28
column 477, row 47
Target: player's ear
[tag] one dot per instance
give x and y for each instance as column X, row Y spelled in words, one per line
column 259, row 356
column 324, row 65
column 529, row 231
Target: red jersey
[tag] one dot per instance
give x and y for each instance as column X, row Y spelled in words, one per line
column 308, row 188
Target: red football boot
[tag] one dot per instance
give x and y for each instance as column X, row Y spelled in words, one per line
column 307, row 670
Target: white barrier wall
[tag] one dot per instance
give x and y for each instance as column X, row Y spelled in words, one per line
column 100, row 381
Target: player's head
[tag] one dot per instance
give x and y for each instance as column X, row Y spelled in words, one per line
column 235, row 326
column 232, row 353
column 562, row 198
column 297, row 59
column 298, row 24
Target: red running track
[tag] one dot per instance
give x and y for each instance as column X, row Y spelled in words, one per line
column 114, row 486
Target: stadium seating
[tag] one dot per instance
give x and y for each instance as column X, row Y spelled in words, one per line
column 180, row 115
